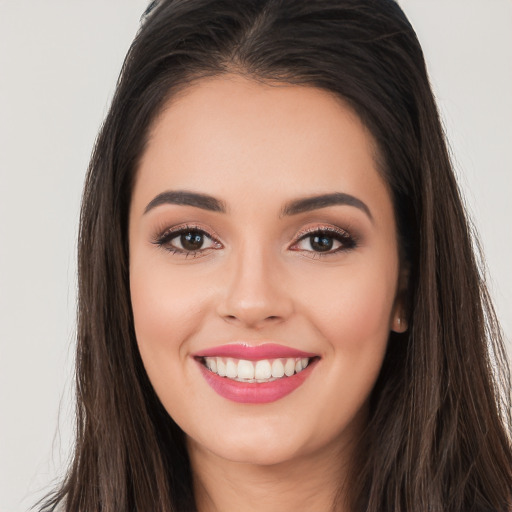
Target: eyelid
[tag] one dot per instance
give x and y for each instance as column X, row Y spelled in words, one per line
column 162, row 237
column 344, row 236
column 185, row 226
column 321, row 229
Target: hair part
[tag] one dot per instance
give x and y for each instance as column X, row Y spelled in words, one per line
column 437, row 437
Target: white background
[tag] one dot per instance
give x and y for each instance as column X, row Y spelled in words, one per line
column 59, row 61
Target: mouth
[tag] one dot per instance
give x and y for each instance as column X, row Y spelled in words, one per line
column 255, row 374
column 259, row 371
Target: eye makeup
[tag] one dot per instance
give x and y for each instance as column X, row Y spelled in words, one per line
column 190, row 237
column 192, row 241
column 322, row 239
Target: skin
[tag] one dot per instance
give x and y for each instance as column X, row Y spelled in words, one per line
column 255, row 147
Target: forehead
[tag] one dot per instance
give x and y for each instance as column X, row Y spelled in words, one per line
column 230, row 136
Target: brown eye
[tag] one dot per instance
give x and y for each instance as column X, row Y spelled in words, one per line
column 321, row 243
column 187, row 241
column 327, row 241
column 192, row 241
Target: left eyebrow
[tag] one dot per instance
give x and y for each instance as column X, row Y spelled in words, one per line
column 307, row 204
column 183, row 197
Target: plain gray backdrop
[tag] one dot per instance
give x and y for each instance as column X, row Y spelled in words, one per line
column 59, row 60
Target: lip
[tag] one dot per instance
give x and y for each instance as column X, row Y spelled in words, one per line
column 255, row 393
column 253, row 352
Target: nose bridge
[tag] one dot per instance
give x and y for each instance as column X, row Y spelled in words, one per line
column 254, row 290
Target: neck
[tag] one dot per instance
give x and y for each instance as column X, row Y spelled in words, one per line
column 306, row 483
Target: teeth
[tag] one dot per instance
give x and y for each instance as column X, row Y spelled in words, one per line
column 289, row 367
column 221, row 367
column 264, row 370
column 231, row 369
column 245, row 370
column 277, row 368
column 211, row 364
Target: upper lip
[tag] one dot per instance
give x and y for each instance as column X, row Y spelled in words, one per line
column 241, row 350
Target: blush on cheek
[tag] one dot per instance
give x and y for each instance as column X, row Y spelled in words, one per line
column 358, row 317
column 166, row 313
column 157, row 301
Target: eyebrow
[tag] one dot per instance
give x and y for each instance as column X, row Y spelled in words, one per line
column 183, row 197
column 307, row 204
column 294, row 207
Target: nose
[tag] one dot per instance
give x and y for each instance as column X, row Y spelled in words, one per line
column 254, row 291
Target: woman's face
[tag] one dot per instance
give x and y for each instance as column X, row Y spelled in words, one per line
column 262, row 239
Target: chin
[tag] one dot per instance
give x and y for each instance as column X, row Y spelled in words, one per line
column 265, row 445
column 256, row 454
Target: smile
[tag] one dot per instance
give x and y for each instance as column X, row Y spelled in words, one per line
column 264, row 370
column 255, row 374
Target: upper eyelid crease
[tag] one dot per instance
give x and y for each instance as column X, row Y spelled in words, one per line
column 322, row 229
column 294, row 207
column 178, row 230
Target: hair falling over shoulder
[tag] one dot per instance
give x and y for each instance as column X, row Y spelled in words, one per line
column 438, row 437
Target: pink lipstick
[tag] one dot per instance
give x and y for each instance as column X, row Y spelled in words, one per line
column 255, row 374
column 253, row 352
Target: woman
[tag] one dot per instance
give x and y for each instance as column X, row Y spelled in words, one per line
column 279, row 306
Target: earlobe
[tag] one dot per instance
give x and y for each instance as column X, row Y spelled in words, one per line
column 399, row 324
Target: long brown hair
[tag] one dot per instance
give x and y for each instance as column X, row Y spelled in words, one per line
column 438, row 434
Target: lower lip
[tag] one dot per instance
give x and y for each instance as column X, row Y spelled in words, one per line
column 255, row 393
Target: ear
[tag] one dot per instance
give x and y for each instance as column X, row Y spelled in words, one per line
column 399, row 322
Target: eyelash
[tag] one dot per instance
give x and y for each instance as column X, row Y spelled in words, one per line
column 167, row 236
column 348, row 242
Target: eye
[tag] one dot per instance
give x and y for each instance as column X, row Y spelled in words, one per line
column 190, row 241
column 325, row 241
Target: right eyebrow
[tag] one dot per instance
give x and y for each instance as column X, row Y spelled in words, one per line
column 183, row 197
column 306, row 204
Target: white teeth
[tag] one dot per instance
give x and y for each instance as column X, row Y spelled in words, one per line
column 277, row 368
column 221, row 367
column 211, row 364
column 289, row 367
column 264, row 370
column 231, row 369
column 245, row 369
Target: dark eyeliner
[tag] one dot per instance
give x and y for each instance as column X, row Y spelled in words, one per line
column 163, row 240
column 347, row 240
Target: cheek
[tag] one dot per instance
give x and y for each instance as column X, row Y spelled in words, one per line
column 353, row 316
column 167, row 308
column 354, row 310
